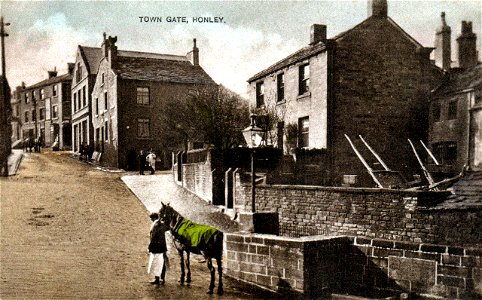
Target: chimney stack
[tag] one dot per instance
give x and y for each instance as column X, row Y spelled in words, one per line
column 70, row 68
column 317, row 34
column 467, row 47
column 193, row 56
column 443, row 46
column 52, row 73
column 378, row 8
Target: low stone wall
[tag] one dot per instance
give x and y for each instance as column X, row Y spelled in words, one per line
column 375, row 213
column 317, row 266
column 286, row 265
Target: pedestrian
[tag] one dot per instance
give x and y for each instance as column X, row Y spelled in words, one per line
column 142, row 162
column 151, row 161
column 158, row 261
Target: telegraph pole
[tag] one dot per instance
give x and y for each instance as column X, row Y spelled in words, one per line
column 4, row 126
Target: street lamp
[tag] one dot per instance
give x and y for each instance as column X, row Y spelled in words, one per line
column 253, row 136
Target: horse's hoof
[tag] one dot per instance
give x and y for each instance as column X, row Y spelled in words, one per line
column 209, row 292
column 220, row 292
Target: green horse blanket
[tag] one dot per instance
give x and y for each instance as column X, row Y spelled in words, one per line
column 194, row 234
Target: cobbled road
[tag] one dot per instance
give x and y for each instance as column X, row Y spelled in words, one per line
column 71, row 231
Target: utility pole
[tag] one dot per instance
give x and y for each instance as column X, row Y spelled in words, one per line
column 4, row 126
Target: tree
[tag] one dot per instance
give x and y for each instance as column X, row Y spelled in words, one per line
column 213, row 115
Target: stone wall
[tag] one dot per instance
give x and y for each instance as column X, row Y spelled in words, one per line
column 375, row 213
column 197, row 178
column 318, row 266
column 285, row 265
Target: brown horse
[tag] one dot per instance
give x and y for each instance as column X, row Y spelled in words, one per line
column 195, row 238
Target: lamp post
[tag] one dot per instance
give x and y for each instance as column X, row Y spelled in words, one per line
column 253, row 136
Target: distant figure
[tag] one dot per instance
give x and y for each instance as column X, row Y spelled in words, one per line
column 157, row 250
column 142, row 162
column 151, row 161
column 37, row 145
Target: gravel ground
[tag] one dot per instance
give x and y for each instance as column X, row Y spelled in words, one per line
column 71, row 231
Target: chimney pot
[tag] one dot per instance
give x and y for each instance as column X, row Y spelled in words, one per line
column 193, row 56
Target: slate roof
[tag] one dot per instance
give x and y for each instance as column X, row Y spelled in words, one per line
column 458, row 80
column 92, row 57
column 312, row 50
column 50, row 81
column 467, row 193
column 166, row 70
column 299, row 55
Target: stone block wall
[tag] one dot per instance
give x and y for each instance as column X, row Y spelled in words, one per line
column 197, row 178
column 378, row 266
column 307, row 266
column 375, row 213
column 318, row 266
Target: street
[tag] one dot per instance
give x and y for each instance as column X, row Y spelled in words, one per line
column 70, row 230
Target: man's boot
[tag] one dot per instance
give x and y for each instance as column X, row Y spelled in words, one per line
column 156, row 281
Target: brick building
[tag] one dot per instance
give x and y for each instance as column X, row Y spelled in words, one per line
column 127, row 96
column 371, row 80
column 455, row 133
column 85, row 70
column 44, row 110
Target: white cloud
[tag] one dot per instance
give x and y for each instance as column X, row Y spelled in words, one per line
column 46, row 44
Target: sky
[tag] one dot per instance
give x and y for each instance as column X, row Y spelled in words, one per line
column 248, row 37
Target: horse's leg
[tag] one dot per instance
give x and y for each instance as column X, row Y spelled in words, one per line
column 220, row 275
column 188, row 266
column 211, row 268
column 181, row 255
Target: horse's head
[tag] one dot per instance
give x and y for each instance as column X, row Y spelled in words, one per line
column 167, row 214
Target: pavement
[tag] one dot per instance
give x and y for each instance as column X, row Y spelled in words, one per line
column 14, row 160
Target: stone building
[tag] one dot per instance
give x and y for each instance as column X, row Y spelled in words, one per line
column 85, row 70
column 44, row 110
column 127, row 96
column 15, row 120
column 371, row 80
column 455, row 133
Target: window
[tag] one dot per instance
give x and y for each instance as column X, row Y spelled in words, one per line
column 54, row 91
column 106, row 130
column 259, row 94
column 26, row 117
column 304, row 79
column 34, row 95
column 78, row 74
column 304, row 127
column 75, row 101
column 478, row 98
column 42, row 94
column 436, row 112
column 78, row 98
column 103, row 78
column 55, row 111
column 42, row 114
column 105, row 101
column 96, row 106
column 143, row 126
column 143, row 95
column 445, row 152
column 280, row 82
column 34, row 115
column 452, row 112
column 27, row 99
column 84, row 97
